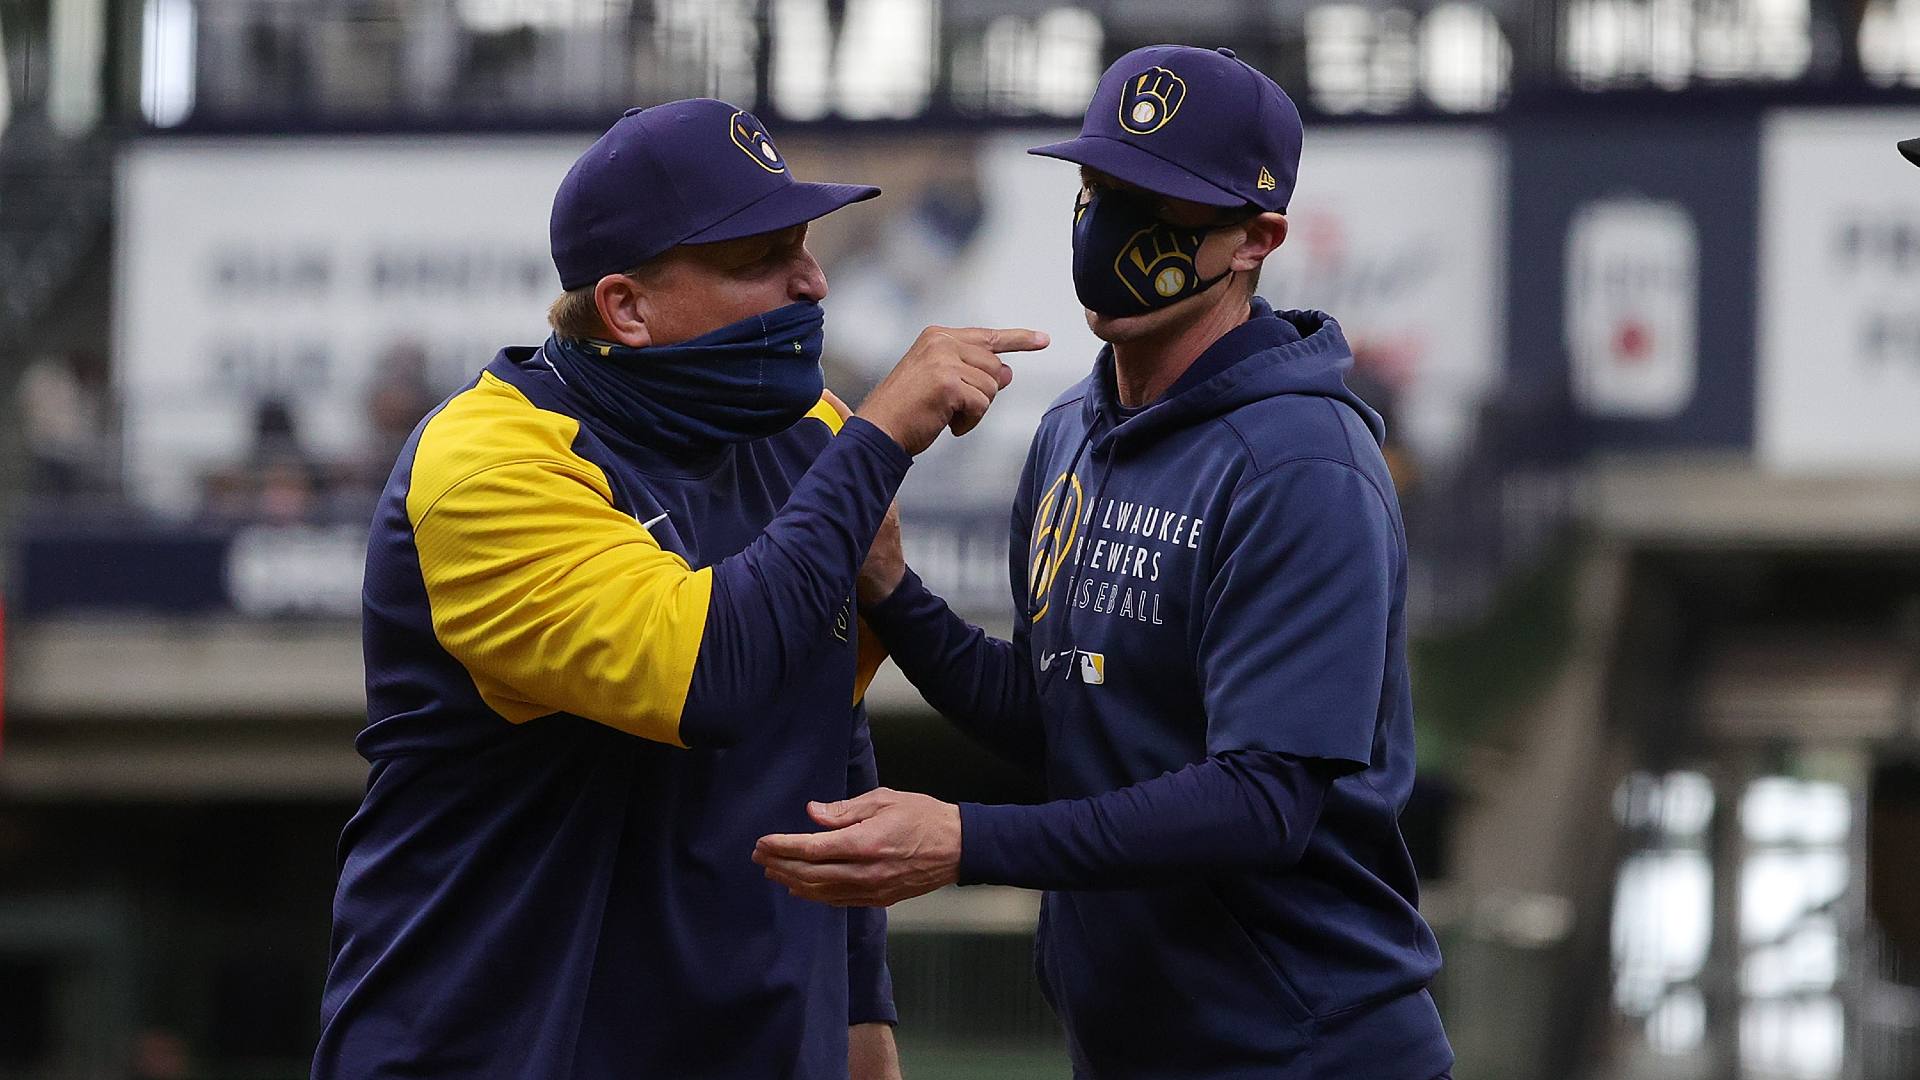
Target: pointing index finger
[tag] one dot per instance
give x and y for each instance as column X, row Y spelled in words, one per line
column 1006, row 339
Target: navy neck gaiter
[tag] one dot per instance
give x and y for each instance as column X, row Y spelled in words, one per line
column 745, row 381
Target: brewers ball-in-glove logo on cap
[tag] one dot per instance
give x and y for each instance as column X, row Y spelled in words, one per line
column 752, row 139
column 1151, row 99
column 668, row 175
column 1194, row 124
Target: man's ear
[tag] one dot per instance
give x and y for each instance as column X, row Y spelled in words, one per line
column 1264, row 234
column 622, row 305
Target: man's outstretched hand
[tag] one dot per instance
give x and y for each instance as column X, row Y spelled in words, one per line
column 946, row 381
column 880, row 848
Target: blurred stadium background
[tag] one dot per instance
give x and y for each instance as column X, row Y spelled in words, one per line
column 1637, row 283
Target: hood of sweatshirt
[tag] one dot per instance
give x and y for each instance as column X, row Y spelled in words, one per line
column 1273, row 353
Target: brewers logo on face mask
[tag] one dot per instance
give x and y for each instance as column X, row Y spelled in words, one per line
column 752, row 139
column 1151, row 99
column 1158, row 262
column 1126, row 261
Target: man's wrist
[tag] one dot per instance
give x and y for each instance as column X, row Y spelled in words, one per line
column 877, row 589
column 881, row 423
column 871, row 1052
column 898, row 602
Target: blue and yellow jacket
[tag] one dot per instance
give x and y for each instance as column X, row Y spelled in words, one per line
column 596, row 674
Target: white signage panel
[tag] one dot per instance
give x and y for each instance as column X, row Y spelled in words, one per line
column 1632, row 304
column 262, row 271
column 1839, row 376
column 264, row 283
column 1400, row 234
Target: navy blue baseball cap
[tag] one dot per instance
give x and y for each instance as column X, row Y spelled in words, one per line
column 687, row 172
column 1196, row 124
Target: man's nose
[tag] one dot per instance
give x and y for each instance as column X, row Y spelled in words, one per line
column 809, row 280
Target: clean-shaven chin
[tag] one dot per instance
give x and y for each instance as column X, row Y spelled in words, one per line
column 1121, row 329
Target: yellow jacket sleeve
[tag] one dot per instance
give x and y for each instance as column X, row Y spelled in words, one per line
column 554, row 600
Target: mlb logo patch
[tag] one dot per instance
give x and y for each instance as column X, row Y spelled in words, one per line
column 1093, row 668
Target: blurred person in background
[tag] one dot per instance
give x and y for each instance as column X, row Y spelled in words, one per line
column 62, row 410
column 610, row 640
column 1376, row 380
column 278, row 484
column 398, row 396
column 287, row 490
column 1209, row 654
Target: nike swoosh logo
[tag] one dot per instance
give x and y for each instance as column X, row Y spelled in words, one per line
column 651, row 522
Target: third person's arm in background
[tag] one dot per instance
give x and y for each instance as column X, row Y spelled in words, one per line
column 871, row 1014
column 982, row 684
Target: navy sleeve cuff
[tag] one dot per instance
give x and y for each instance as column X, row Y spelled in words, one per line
column 868, row 435
column 986, row 833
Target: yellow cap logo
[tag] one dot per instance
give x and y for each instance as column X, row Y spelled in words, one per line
column 1266, row 181
column 753, row 141
column 1150, row 100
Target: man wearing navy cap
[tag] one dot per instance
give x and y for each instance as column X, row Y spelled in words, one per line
column 610, row 640
column 1208, row 660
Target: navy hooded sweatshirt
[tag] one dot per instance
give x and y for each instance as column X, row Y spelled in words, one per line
column 1209, row 665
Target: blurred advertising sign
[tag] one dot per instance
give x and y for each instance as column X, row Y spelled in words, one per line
column 296, row 570
column 314, row 571
column 1632, row 290
column 1400, row 234
column 268, row 571
column 1631, row 314
column 272, row 278
column 1840, row 288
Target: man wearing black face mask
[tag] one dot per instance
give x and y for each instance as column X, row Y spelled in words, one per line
column 1208, row 661
column 610, row 640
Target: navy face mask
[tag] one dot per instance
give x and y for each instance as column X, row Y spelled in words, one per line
column 745, row 381
column 1126, row 261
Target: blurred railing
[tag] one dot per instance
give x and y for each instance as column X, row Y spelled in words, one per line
column 464, row 63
